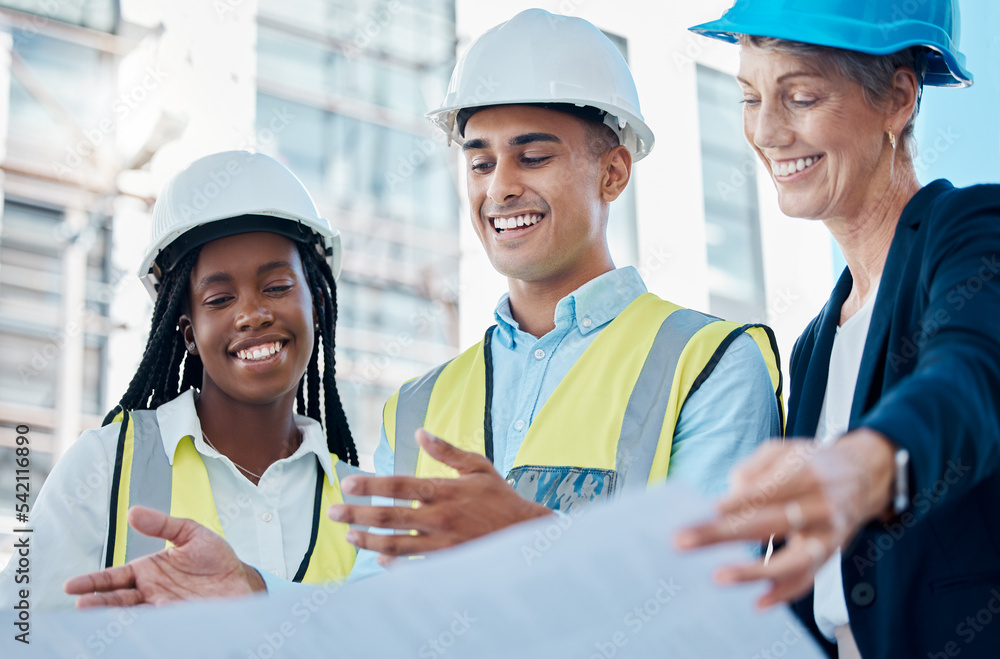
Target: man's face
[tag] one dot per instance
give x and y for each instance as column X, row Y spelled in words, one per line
column 535, row 192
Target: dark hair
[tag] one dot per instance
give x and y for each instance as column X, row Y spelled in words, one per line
column 167, row 369
column 600, row 137
column 873, row 72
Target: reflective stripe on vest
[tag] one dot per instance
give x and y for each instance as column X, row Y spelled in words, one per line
column 613, row 414
column 185, row 491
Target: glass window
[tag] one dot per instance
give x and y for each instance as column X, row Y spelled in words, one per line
column 75, row 79
column 422, row 34
column 622, row 238
column 732, row 216
column 96, row 14
column 31, row 322
column 364, row 167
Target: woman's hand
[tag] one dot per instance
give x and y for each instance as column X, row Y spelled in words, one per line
column 816, row 497
column 199, row 565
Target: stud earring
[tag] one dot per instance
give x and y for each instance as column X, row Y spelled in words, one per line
column 191, row 347
column 892, row 139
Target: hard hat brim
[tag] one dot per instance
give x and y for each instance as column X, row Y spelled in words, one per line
column 945, row 66
column 445, row 119
column 297, row 229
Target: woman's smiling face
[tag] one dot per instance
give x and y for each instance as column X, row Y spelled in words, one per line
column 817, row 135
column 250, row 317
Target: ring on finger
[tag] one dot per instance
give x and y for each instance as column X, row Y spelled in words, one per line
column 793, row 513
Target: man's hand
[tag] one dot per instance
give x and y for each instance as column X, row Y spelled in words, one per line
column 199, row 565
column 816, row 497
column 449, row 511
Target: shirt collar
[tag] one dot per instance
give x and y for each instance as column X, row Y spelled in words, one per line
column 589, row 307
column 179, row 419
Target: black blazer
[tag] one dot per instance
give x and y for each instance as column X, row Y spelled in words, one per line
column 926, row 584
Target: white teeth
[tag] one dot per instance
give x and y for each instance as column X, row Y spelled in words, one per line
column 788, row 167
column 504, row 223
column 259, row 352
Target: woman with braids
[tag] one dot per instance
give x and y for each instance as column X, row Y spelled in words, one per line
column 242, row 269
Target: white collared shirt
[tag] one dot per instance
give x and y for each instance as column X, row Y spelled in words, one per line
column 268, row 525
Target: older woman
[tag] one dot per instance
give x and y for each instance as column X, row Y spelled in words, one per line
column 890, row 516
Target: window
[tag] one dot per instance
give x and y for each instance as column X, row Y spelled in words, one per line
column 31, row 319
column 77, row 83
column 622, row 238
column 100, row 15
column 732, row 215
column 363, row 167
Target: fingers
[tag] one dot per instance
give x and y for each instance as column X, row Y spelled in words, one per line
column 407, row 488
column 115, row 578
column 383, row 517
column 119, row 598
column 781, row 518
column 792, row 570
column 154, row 523
column 397, row 545
column 464, row 462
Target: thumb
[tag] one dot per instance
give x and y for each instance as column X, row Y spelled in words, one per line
column 464, row 462
column 154, row 523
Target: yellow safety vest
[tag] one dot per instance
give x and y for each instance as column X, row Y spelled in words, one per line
column 608, row 425
column 184, row 490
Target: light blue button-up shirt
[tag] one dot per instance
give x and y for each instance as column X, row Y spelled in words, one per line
column 719, row 425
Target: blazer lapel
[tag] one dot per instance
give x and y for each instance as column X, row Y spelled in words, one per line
column 818, row 368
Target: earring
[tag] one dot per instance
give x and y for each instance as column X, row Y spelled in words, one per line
column 191, row 347
column 892, row 139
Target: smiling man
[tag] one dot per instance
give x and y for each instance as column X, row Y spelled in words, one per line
column 587, row 385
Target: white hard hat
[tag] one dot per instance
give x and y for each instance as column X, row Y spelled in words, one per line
column 229, row 193
column 542, row 58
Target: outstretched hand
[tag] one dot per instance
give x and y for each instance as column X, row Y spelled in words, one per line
column 199, row 565
column 817, row 498
column 449, row 511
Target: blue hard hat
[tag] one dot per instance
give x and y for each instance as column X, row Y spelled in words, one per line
column 876, row 27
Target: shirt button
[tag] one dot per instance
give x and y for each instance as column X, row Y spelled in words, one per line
column 267, row 517
column 519, row 425
column 587, row 322
column 863, row 594
column 539, row 354
column 274, row 572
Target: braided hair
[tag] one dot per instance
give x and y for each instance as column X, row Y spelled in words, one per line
column 167, row 369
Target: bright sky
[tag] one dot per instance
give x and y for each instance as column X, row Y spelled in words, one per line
column 958, row 130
